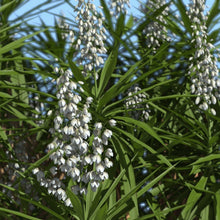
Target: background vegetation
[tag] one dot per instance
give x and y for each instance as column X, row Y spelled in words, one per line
column 166, row 146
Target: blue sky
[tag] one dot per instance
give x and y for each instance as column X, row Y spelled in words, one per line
column 68, row 12
column 64, row 8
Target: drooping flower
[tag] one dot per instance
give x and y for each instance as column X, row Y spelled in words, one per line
column 118, row 6
column 81, row 153
column 203, row 68
column 156, row 32
column 90, row 42
column 134, row 103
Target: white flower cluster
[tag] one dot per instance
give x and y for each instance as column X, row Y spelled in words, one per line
column 38, row 107
column 91, row 36
column 80, row 153
column 135, row 102
column 64, row 27
column 203, row 69
column 118, row 6
column 156, row 32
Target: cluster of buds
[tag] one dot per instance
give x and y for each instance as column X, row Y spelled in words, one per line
column 82, row 147
column 203, row 69
column 118, row 6
column 65, row 28
column 134, row 102
column 91, row 37
column 38, row 107
column 156, row 32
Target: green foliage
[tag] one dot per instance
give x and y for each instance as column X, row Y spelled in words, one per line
column 169, row 162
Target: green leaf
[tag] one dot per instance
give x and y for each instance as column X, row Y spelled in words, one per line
column 18, row 214
column 21, row 116
column 217, row 198
column 77, row 205
column 129, row 23
column 78, row 75
column 193, row 198
column 120, row 26
column 5, row 6
column 17, row 43
column 5, row 95
column 108, row 69
column 160, row 213
column 19, row 80
column 43, row 207
column 2, row 134
column 36, row 203
column 28, row 89
column 93, row 199
column 114, row 90
column 76, row 71
column 207, row 159
column 213, row 12
column 142, row 125
column 129, row 179
column 39, row 162
column 184, row 16
column 12, row 189
column 121, row 204
column 107, row 194
column 151, row 150
column 126, row 82
column 107, row 14
column 102, row 212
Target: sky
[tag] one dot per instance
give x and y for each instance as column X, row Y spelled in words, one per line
column 64, row 9
column 68, row 11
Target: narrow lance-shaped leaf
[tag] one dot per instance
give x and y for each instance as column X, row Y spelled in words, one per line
column 77, row 206
column 5, row 6
column 193, row 198
column 129, row 177
column 108, row 193
column 142, row 125
column 213, row 12
column 108, row 69
column 207, row 159
column 122, row 202
column 17, row 43
column 217, row 199
column 24, row 216
column 150, row 149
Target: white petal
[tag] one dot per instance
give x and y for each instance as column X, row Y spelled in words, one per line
column 197, row 100
column 213, row 111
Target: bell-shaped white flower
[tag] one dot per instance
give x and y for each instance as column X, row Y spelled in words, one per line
column 112, row 123
column 100, row 168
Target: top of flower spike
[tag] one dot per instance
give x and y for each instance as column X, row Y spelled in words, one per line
column 156, row 33
column 118, row 6
column 91, row 37
column 203, row 68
